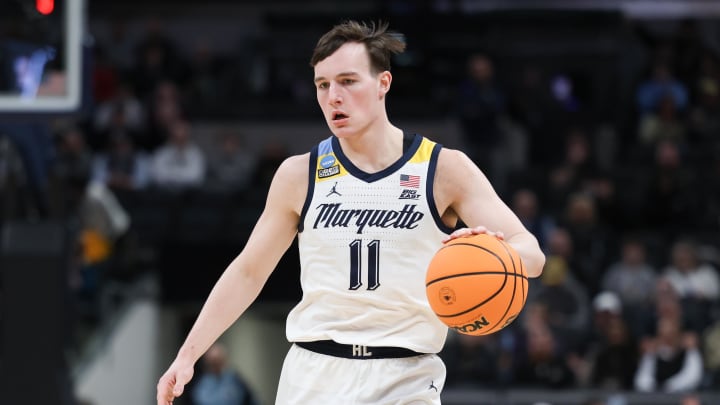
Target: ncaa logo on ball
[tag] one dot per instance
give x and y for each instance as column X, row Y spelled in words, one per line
column 447, row 296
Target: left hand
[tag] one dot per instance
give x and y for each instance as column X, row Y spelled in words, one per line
column 465, row 232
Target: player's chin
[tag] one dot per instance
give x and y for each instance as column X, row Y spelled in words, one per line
column 340, row 131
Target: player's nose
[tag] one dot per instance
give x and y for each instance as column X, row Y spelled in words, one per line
column 334, row 96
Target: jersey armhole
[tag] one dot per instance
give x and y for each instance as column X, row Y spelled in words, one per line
column 430, row 195
column 312, row 165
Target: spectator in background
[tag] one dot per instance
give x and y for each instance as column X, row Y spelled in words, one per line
column 592, row 240
column 103, row 221
column 119, row 44
column 100, row 219
column 71, row 170
column 560, row 244
column 231, row 166
column 671, row 360
column 630, row 279
column 667, row 305
column 569, row 175
column 615, row 358
column 164, row 108
column 539, row 355
column 525, row 205
column 475, row 361
column 529, row 106
column 121, row 167
column 125, row 103
column 481, row 106
column 662, row 83
column 697, row 283
column 564, row 299
column 156, row 60
column 704, row 118
column 179, row 164
column 105, row 76
column 207, row 85
column 662, row 123
column 117, row 125
column 671, row 200
column 220, row 384
column 583, row 359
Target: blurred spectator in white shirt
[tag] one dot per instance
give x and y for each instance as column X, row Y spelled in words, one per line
column 179, row 163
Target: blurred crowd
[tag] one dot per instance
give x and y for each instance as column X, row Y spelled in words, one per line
column 627, row 211
column 628, row 217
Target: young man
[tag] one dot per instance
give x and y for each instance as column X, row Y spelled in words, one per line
column 370, row 206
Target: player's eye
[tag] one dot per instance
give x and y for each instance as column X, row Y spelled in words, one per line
column 348, row 81
column 323, row 85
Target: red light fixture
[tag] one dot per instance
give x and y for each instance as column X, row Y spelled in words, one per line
column 45, row 7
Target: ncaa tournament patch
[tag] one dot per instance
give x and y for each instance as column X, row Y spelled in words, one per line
column 328, row 167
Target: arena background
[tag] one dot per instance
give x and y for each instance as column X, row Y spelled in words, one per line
column 604, row 115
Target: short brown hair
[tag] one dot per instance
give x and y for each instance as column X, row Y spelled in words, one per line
column 380, row 43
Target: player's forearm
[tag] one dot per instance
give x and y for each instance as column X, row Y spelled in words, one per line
column 527, row 247
column 230, row 297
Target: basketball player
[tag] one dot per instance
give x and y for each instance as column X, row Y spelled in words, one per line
column 370, row 206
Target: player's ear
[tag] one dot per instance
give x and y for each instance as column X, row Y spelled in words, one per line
column 384, row 81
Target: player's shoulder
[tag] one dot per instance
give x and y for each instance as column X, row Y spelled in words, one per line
column 294, row 165
column 290, row 181
column 452, row 161
column 292, row 171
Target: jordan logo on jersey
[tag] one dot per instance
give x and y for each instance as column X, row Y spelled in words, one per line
column 334, row 216
column 333, row 190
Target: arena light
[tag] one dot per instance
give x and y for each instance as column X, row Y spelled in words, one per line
column 45, row 7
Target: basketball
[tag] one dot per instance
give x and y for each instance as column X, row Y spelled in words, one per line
column 476, row 285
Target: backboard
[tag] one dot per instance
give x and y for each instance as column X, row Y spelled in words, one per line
column 41, row 55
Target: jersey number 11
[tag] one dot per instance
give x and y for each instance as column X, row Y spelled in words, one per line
column 373, row 264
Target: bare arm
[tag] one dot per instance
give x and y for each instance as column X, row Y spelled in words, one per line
column 243, row 279
column 463, row 191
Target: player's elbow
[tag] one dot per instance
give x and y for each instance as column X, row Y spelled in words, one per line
column 536, row 263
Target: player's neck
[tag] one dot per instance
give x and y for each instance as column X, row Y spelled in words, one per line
column 375, row 149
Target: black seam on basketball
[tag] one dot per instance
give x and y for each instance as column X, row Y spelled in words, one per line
column 499, row 290
column 484, row 272
column 522, row 267
column 512, row 298
column 474, row 273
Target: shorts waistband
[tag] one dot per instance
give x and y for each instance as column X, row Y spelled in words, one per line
column 358, row 352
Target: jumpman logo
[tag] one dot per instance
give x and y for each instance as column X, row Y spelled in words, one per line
column 333, row 191
column 432, row 386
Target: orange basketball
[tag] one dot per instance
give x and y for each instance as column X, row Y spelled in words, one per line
column 476, row 285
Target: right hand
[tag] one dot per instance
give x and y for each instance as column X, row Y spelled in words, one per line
column 172, row 383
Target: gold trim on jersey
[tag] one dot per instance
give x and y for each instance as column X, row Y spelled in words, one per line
column 424, row 152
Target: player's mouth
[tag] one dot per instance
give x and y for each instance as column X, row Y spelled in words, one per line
column 339, row 118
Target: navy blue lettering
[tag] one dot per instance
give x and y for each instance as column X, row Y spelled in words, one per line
column 332, row 215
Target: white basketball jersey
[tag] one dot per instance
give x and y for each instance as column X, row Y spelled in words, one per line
column 365, row 242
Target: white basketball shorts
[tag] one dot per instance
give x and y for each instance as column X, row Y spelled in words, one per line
column 310, row 378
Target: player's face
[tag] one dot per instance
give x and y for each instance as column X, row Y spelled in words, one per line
column 350, row 95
